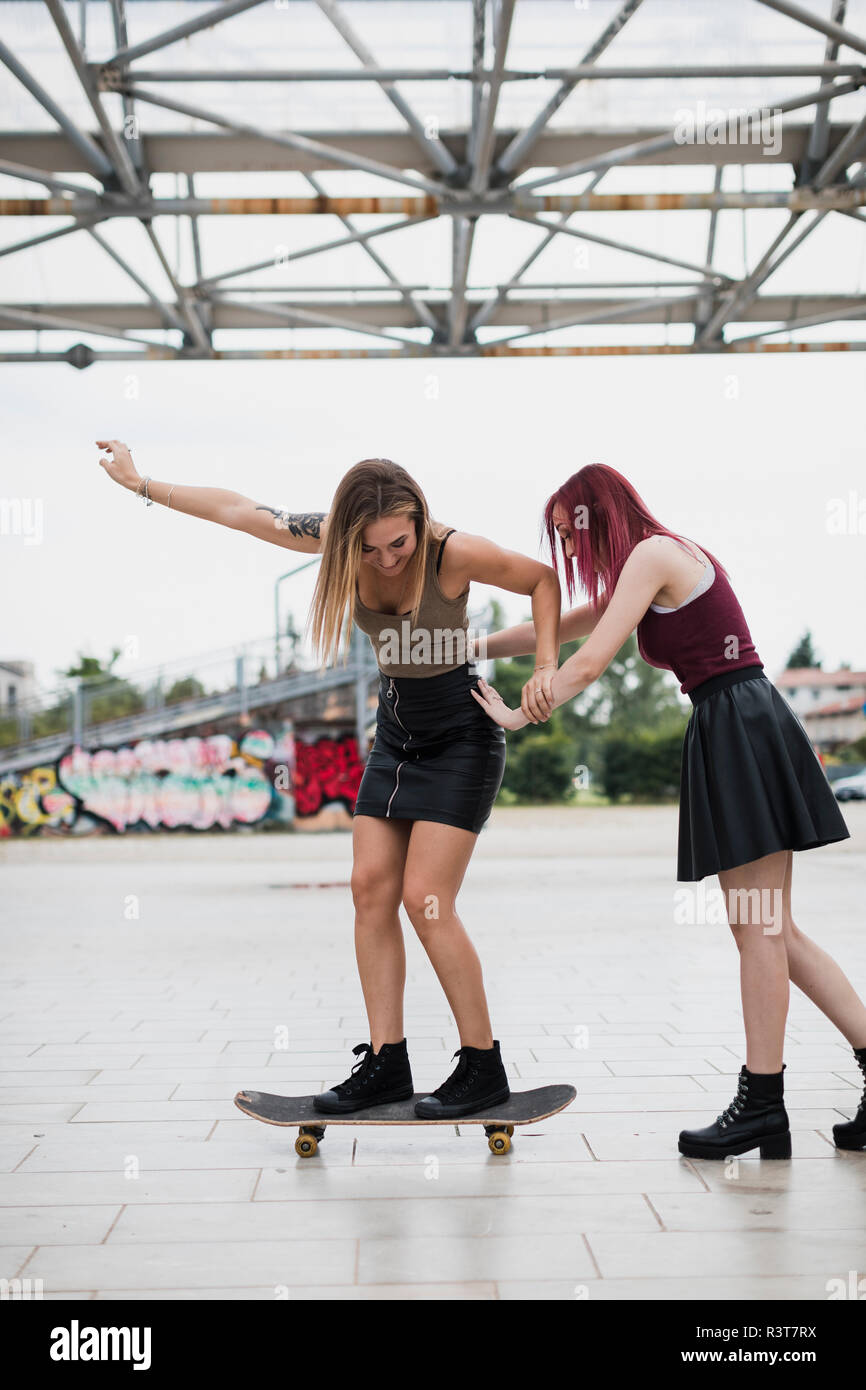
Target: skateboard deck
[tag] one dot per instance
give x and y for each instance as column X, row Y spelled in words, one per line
column 521, row 1108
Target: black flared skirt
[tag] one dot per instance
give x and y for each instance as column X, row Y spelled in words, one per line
column 437, row 754
column 751, row 783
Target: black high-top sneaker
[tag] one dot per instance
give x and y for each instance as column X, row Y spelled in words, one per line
column 853, row 1134
column 755, row 1117
column 477, row 1081
column 377, row 1079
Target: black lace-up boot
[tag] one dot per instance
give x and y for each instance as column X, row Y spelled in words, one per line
column 755, row 1117
column 477, row 1081
column 377, row 1079
column 853, row 1134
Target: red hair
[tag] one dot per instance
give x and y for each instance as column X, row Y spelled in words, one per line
column 602, row 505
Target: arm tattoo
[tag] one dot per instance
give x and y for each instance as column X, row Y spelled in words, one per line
column 299, row 523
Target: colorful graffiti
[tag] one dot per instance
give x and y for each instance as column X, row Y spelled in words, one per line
column 207, row 783
column 327, row 770
column 193, row 783
column 31, row 802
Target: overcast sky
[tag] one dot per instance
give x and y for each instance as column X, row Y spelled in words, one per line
column 744, row 455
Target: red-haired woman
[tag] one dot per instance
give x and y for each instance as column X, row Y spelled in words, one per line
column 752, row 789
column 436, row 764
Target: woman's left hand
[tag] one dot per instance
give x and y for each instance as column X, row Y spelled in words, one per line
column 496, row 707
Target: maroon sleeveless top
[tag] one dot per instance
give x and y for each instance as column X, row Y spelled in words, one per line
column 703, row 638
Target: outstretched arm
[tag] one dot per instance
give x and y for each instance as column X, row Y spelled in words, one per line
column 294, row 530
column 520, row 640
column 645, row 571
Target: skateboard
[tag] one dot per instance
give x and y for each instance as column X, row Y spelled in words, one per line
column 521, row 1108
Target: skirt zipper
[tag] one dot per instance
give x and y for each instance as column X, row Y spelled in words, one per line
column 393, row 692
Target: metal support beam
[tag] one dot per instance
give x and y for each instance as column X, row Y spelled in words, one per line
column 704, row 307
column 121, row 163
column 169, row 315
column 294, row 314
column 535, row 308
column 827, row 199
column 107, row 75
column 632, row 311
column 305, row 251
column 181, row 31
column 185, row 305
column 94, row 157
column 857, row 311
column 420, row 310
column 131, row 135
column 561, row 229
column 660, row 144
column 813, row 21
column 819, row 140
column 431, row 144
column 523, row 143
column 23, row 171
column 481, row 142
column 79, row 225
column 742, row 294
column 330, row 153
column 198, row 151
column 31, row 319
column 193, row 227
column 155, row 353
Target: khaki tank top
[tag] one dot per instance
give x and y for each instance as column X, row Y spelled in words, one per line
column 436, row 644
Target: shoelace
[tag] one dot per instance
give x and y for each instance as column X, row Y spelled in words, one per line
column 861, row 1062
column 732, row 1113
column 461, row 1078
column 359, row 1070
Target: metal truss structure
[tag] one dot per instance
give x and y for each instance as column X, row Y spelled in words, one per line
column 462, row 175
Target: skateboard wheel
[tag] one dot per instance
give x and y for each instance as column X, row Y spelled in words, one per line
column 499, row 1142
column 306, row 1145
column 509, row 1130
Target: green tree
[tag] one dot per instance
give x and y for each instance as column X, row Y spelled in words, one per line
column 541, row 768
column 641, row 764
column 186, row 689
column 90, row 668
column 599, row 729
column 803, row 656
column 106, row 696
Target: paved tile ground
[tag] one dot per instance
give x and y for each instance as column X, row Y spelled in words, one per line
column 148, row 979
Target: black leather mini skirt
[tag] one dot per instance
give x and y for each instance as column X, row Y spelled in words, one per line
column 750, row 782
column 437, row 754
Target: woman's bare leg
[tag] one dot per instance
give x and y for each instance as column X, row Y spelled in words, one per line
column 820, row 978
column 379, row 850
column 754, row 899
column 436, row 862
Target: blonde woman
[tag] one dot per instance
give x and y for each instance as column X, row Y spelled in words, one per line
column 437, row 761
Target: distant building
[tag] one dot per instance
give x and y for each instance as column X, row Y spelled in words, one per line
column 830, row 704
column 17, row 684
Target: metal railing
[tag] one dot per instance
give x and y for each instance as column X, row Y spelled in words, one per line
column 113, row 709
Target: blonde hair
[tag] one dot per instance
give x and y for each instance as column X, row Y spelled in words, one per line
column 372, row 489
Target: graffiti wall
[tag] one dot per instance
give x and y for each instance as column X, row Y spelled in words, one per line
column 260, row 779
